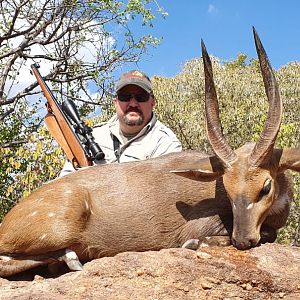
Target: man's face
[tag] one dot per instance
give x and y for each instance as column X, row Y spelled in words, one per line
column 133, row 115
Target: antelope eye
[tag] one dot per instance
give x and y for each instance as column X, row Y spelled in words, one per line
column 266, row 188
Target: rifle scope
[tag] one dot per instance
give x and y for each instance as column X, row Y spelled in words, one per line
column 93, row 149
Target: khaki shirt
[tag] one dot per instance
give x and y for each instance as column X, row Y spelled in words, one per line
column 154, row 140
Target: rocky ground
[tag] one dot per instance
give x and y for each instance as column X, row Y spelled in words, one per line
column 271, row 271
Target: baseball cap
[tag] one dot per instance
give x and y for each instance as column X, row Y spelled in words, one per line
column 135, row 77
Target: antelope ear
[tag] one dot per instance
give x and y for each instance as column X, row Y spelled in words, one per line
column 199, row 175
column 205, row 169
column 290, row 159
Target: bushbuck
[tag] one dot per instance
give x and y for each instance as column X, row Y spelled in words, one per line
column 106, row 209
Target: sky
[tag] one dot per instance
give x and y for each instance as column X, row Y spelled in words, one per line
column 226, row 28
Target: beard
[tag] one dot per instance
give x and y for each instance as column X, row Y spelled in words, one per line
column 135, row 121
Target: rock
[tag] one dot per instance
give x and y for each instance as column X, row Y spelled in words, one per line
column 271, row 271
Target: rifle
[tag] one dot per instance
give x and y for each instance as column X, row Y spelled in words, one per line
column 77, row 142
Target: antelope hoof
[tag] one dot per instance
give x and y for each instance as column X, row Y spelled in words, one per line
column 72, row 261
column 192, row 244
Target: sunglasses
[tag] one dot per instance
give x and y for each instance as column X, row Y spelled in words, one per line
column 143, row 97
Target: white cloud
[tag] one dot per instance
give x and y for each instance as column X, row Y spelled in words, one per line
column 212, row 9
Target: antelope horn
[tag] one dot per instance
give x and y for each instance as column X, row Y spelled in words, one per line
column 264, row 147
column 213, row 124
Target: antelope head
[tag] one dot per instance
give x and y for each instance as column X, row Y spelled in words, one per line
column 251, row 174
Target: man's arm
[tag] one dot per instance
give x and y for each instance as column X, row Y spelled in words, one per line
column 67, row 169
column 166, row 141
column 165, row 145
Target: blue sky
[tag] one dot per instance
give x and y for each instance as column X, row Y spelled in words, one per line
column 226, row 28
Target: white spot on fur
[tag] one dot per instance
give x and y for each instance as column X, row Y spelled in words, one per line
column 250, row 206
column 68, row 192
column 33, row 214
column 43, row 236
column 87, row 205
column 5, row 258
column 50, row 215
column 50, row 190
column 38, row 200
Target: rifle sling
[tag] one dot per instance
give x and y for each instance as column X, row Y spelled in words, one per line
column 116, row 144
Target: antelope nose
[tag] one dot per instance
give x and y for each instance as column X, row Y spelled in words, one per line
column 245, row 244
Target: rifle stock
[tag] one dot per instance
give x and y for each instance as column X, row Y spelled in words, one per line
column 60, row 128
column 56, row 132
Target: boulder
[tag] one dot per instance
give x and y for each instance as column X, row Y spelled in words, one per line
column 270, row 271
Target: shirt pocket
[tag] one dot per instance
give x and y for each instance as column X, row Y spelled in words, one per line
column 135, row 151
